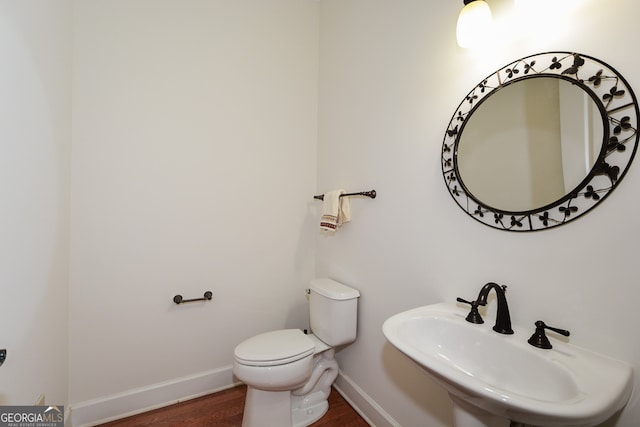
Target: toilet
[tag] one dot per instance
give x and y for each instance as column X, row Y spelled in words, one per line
column 288, row 373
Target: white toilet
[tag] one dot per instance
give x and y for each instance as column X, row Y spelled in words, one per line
column 289, row 374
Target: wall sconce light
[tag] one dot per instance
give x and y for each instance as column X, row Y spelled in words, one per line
column 474, row 23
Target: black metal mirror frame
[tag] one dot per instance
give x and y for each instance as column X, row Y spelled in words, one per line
column 619, row 109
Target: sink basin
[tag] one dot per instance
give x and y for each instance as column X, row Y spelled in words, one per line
column 492, row 376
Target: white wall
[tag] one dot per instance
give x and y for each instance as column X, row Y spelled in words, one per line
column 194, row 149
column 391, row 76
column 194, row 161
column 35, row 128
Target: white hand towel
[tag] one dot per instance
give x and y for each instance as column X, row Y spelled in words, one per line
column 335, row 210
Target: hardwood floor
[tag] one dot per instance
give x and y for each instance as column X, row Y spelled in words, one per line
column 224, row 409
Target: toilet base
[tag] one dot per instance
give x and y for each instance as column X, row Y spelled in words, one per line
column 273, row 408
column 266, row 408
column 303, row 417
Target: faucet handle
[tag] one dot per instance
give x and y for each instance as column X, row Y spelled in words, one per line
column 539, row 338
column 557, row 330
column 474, row 315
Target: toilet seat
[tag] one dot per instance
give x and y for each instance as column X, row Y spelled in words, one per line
column 274, row 348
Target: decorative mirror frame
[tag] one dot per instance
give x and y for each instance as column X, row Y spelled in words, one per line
column 619, row 109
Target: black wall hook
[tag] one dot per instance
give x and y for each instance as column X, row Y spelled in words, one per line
column 207, row 297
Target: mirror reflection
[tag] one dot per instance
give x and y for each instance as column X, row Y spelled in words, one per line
column 550, row 131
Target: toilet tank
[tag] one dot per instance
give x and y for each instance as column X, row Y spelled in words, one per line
column 333, row 311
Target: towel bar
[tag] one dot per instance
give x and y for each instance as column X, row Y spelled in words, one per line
column 371, row 194
column 207, row 297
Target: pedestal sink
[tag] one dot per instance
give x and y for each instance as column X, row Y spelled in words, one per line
column 493, row 379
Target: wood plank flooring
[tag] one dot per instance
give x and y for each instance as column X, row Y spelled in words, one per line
column 224, row 409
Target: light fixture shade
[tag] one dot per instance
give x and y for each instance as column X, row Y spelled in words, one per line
column 474, row 23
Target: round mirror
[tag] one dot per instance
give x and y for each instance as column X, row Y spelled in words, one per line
column 540, row 141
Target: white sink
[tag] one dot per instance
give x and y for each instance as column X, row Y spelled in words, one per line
column 493, row 377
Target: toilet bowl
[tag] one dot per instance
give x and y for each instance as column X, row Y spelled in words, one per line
column 276, row 360
column 283, row 383
column 288, row 373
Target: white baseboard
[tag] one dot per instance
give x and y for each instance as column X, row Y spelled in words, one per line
column 364, row 405
column 132, row 402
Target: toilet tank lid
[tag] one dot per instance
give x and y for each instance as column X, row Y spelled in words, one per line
column 329, row 288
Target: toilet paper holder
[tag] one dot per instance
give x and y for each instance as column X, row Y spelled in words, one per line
column 207, row 297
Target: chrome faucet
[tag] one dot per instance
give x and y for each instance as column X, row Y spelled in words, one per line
column 503, row 318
